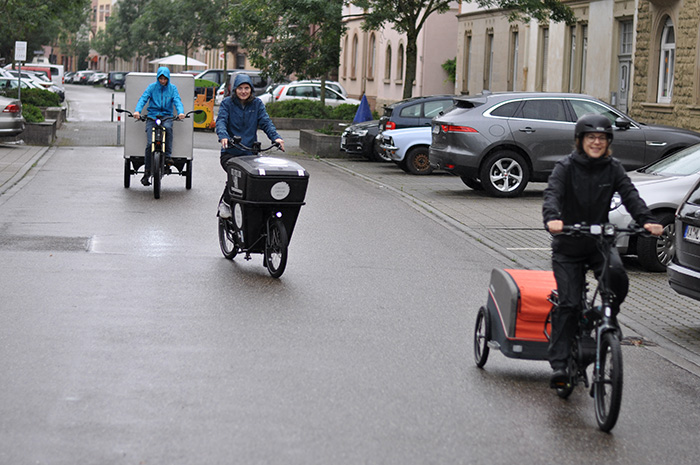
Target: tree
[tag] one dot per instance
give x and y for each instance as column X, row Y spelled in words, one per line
column 284, row 37
column 38, row 22
column 409, row 16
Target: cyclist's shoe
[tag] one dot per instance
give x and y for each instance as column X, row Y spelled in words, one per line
column 169, row 161
column 146, row 179
column 559, row 379
column 224, row 210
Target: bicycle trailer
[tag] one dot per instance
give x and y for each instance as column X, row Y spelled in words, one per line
column 261, row 185
column 518, row 308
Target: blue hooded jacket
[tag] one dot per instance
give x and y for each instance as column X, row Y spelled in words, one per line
column 162, row 97
column 243, row 119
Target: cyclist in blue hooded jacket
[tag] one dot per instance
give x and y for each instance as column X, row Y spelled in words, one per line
column 241, row 115
column 161, row 97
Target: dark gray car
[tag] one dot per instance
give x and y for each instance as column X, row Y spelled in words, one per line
column 500, row 142
column 684, row 270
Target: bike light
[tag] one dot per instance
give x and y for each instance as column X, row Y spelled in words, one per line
column 278, row 214
column 158, row 121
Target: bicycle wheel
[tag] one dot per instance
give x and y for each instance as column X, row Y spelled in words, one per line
column 127, row 173
column 482, row 335
column 607, row 388
column 188, row 175
column 276, row 248
column 227, row 239
column 157, row 172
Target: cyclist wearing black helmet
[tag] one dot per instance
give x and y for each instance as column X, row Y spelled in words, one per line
column 579, row 190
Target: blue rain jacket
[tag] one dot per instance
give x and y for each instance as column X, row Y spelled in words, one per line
column 162, row 98
column 243, row 119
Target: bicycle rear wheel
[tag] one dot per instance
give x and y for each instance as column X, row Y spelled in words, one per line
column 482, row 335
column 607, row 388
column 276, row 248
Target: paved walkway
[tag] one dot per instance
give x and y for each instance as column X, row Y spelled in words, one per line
column 668, row 322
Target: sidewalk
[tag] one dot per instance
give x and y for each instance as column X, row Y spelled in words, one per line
column 15, row 161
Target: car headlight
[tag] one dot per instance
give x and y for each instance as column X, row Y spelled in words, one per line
column 616, row 201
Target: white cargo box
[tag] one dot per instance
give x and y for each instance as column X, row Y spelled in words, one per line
column 135, row 131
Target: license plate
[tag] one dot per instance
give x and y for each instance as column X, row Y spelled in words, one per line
column 692, row 234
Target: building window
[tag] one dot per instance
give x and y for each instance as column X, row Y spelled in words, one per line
column 371, row 56
column 543, row 50
column 667, row 57
column 626, row 37
column 353, row 65
column 387, row 65
column 467, row 62
column 513, row 60
column 572, row 58
column 399, row 64
column 488, row 60
column 345, row 58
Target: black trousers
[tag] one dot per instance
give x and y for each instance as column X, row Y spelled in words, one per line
column 570, row 274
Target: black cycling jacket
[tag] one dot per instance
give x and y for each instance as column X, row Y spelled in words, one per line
column 580, row 190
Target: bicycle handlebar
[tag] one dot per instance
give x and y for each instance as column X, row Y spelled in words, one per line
column 602, row 230
column 162, row 118
column 255, row 149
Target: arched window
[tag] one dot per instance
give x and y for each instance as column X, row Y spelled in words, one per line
column 667, row 59
column 387, row 65
column 399, row 64
column 371, row 54
column 353, row 67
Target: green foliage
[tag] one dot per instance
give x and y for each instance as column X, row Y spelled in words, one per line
column 205, row 83
column 540, row 10
column 310, row 109
column 284, row 37
column 450, row 66
column 36, row 97
column 38, row 22
column 32, row 114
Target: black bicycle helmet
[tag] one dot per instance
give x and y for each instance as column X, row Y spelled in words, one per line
column 593, row 123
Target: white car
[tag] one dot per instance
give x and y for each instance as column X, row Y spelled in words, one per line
column 408, row 148
column 336, row 86
column 11, row 83
column 310, row 91
column 662, row 185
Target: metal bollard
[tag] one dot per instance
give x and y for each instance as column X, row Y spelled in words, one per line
column 119, row 125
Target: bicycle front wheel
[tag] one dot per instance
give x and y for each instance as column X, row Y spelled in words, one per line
column 227, row 239
column 276, row 248
column 607, row 390
column 157, row 172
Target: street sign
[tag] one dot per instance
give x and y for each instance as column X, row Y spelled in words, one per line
column 20, row 50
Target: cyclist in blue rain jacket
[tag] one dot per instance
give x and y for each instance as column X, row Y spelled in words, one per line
column 241, row 115
column 161, row 97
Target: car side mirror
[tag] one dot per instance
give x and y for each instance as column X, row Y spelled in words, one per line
column 622, row 123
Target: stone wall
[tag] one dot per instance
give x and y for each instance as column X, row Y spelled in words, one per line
column 684, row 109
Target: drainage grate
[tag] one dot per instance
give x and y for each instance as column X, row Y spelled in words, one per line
column 44, row 243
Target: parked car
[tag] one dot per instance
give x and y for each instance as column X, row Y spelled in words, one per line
column 662, row 185
column 97, row 79
column 11, row 120
column 260, row 83
column 81, row 77
column 7, row 83
column 409, row 148
column 40, row 80
column 215, row 75
column 500, row 142
column 335, row 85
column 116, row 80
column 684, row 269
column 310, row 91
column 360, row 139
column 68, row 77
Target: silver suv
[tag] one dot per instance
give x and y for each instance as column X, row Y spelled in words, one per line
column 499, row 142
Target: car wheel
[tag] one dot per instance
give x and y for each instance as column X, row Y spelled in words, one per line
column 417, row 161
column 117, row 87
column 655, row 253
column 379, row 154
column 472, row 183
column 504, row 174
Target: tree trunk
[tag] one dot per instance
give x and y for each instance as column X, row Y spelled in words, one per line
column 411, row 62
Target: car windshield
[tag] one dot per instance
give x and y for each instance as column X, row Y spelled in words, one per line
column 683, row 163
column 583, row 107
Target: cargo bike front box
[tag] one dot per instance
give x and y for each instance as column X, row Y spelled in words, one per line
column 517, row 312
column 262, row 186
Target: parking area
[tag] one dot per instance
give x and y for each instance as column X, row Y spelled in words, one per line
column 653, row 314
